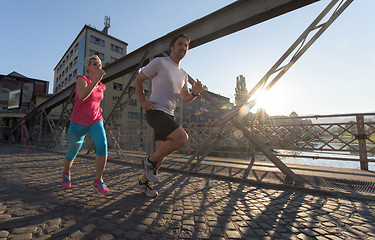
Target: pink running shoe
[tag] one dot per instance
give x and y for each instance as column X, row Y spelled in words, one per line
column 66, row 181
column 99, row 185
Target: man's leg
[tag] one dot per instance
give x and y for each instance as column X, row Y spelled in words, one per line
column 158, row 143
column 175, row 141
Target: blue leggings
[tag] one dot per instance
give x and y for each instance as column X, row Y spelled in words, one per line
column 77, row 133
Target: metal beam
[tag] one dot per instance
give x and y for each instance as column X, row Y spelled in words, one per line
column 230, row 19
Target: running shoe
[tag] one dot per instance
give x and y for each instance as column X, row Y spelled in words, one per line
column 151, row 171
column 66, row 180
column 99, row 185
column 147, row 189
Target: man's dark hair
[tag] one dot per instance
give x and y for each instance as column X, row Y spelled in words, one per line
column 174, row 39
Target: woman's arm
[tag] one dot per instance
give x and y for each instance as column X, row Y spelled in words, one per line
column 84, row 90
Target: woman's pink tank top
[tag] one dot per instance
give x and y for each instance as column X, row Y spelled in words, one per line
column 88, row 112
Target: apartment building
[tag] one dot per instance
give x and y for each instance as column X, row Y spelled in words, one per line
column 89, row 41
column 201, row 110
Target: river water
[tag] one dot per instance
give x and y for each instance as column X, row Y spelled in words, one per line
column 317, row 159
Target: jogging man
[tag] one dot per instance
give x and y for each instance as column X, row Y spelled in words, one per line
column 169, row 82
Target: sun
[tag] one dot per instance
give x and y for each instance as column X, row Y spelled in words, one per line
column 273, row 102
column 262, row 98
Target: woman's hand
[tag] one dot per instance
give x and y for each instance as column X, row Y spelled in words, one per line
column 99, row 75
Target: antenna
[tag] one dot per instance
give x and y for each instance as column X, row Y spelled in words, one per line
column 107, row 24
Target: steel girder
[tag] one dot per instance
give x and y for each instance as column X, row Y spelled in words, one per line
column 230, row 19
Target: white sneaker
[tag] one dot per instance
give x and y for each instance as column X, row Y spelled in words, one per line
column 147, row 189
column 151, row 171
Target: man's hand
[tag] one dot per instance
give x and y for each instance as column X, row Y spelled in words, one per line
column 197, row 88
column 147, row 105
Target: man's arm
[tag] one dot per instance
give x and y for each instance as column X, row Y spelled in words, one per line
column 147, row 105
column 186, row 96
column 196, row 89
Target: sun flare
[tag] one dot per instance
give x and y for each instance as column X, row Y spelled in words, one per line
column 273, row 102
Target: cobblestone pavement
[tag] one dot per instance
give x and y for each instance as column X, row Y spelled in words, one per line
column 33, row 205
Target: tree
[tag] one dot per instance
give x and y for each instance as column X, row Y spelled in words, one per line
column 241, row 90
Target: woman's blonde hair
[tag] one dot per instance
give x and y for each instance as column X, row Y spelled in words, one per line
column 89, row 59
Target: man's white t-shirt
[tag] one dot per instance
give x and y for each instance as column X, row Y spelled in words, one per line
column 168, row 79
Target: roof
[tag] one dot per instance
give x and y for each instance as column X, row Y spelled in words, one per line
column 18, row 76
column 79, row 34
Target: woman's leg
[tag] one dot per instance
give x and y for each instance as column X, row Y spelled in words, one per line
column 76, row 135
column 97, row 133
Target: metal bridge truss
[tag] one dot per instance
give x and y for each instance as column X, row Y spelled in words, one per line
column 299, row 47
column 232, row 18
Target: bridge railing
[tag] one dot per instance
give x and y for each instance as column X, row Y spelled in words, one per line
column 352, row 134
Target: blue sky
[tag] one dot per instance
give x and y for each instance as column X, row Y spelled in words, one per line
column 334, row 76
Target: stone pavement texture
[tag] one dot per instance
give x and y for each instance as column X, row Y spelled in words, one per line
column 33, row 205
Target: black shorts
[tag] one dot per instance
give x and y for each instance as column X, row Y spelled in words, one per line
column 162, row 123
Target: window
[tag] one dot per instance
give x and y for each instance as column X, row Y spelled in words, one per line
column 177, row 110
column 113, row 60
column 76, row 48
column 117, row 48
column 115, row 99
column 117, row 86
column 132, row 89
column 75, row 60
column 190, row 107
column 133, row 115
column 70, row 65
column 132, row 102
column 97, row 40
column 178, row 100
column 203, row 99
column 100, row 55
column 146, row 93
column 116, row 113
column 75, row 73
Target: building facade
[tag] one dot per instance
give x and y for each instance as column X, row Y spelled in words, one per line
column 89, row 41
column 18, row 96
column 201, row 110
